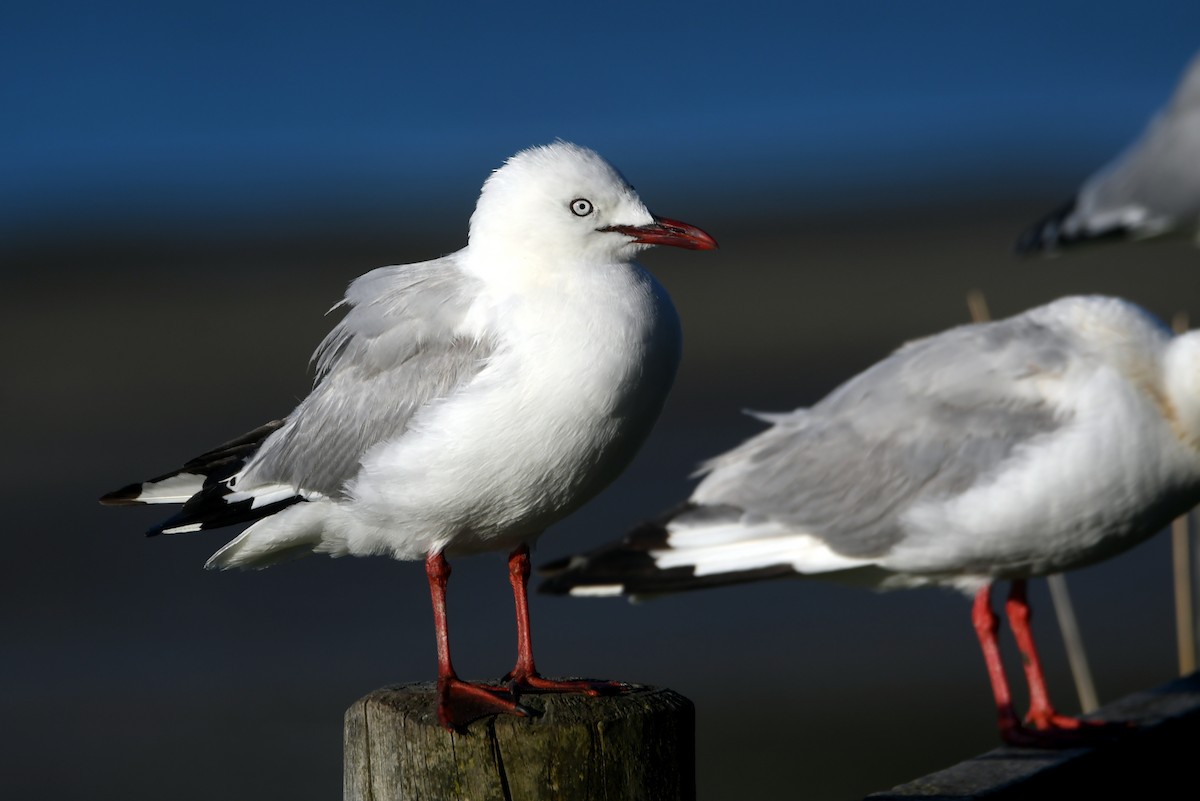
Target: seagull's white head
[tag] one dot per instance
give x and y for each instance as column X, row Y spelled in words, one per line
column 565, row 203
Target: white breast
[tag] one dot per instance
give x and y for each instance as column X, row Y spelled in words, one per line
column 579, row 377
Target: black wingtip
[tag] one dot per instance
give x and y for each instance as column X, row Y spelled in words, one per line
column 629, row 567
column 210, row 509
column 560, row 575
column 555, row 567
column 125, row 496
column 225, row 459
column 214, row 466
column 1058, row 232
column 1047, row 234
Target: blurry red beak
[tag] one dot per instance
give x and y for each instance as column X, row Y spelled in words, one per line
column 667, row 232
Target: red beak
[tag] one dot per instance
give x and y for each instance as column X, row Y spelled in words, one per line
column 667, row 232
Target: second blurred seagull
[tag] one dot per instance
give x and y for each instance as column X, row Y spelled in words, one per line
column 1153, row 188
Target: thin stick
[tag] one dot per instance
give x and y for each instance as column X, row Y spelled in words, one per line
column 1064, row 610
column 1182, row 546
column 977, row 306
column 1185, row 619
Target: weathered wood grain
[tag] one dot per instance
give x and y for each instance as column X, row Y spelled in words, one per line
column 637, row 745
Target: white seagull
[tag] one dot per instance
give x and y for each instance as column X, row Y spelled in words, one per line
column 1152, row 188
column 463, row 404
column 1002, row 450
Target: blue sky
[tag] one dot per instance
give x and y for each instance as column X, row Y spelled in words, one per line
column 245, row 110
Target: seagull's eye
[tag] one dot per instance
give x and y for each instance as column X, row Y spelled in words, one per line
column 581, row 207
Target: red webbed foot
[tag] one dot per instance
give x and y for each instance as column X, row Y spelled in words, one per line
column 534, row 682
column 461, row 702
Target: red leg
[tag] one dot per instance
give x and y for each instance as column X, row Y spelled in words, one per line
column 525, row 676
column 1061, row 729
column 1051, row 730
column 459, row 702
column 1041, row 712
column 986, row 626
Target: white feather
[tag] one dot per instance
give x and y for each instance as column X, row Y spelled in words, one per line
column 175, row 489
column 734, row 548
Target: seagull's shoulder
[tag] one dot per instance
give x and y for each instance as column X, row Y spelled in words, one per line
column 392, row 312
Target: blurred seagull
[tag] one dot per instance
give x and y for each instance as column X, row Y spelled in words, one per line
column 1002, row 450
column 1152, row 188
column 463, row 404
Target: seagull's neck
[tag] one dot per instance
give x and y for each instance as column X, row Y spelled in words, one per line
column 515, row 271
column 569, row 307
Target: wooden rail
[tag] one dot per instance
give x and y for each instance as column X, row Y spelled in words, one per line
column 1154, row 762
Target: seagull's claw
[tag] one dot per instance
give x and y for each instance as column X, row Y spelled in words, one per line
column 536, row 683
column 462, row 702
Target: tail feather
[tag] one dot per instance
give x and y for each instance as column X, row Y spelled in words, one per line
column 218, row 506
column 290, row 534
column 634, row 566
column 174, row 487
column 698, row 546
column 204, row 488
column 616, row 572
column 207, row 470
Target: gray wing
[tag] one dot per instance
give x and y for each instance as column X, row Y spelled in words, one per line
column 399, row 347
column 930, row 420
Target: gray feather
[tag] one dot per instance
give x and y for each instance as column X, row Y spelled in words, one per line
column 397, row 349
column 846, row 469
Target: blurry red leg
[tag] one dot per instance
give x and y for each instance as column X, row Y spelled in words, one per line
column 986, row 626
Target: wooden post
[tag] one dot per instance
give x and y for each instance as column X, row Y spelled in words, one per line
column 637, row 745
